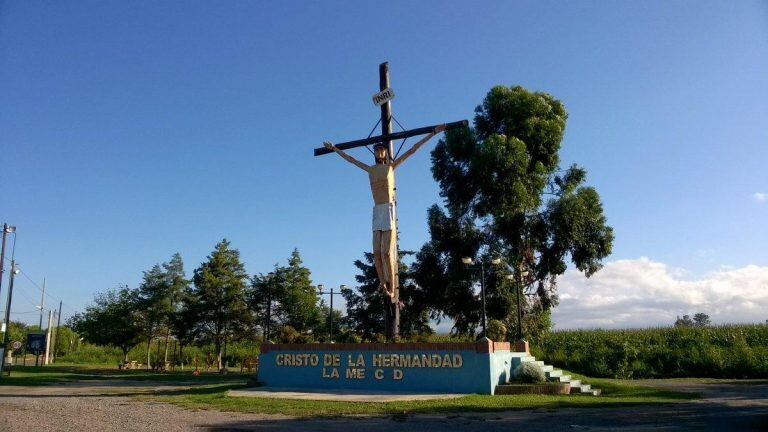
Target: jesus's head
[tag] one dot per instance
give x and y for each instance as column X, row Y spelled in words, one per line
column 380, row 153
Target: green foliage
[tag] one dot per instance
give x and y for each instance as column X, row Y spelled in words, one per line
column 218, row 298
column 65, row 340
column 529, row 373
column 496, row 331
column 699, row 320
column 87, row 353
column 112, row 320
column 506, row 197
column 18, row 332
column 365, row 303
column 730, row 351
column 295, row 302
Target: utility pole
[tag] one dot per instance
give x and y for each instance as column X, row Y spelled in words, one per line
column 14, row 271
column 330, row 311
column 42, row 305
column 269, row 307
column 6, row 230
column 58, row 326
column 47, row 357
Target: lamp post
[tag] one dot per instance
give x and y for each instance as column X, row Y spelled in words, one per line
column 268, row 320
column 471, row 264
column 330, row 311
column 522, row 273
column 7, row 229
column 14, row 272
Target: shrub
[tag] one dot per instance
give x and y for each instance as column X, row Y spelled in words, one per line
column 497, row 331
column 529, row 373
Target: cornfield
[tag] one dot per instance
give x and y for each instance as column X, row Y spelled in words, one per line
column 727, row 351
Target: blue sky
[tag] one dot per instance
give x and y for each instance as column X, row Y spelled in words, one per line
column 133, row 130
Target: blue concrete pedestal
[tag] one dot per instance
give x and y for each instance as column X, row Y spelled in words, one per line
column 413, row 367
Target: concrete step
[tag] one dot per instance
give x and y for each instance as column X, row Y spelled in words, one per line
column 527, row 359
column 575, row 383
column 547, row 368
column 553, row 373
column 540, row 363
column 564, row 378
column 596, row 392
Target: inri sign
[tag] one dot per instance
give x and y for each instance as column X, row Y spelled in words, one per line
column 383, row 97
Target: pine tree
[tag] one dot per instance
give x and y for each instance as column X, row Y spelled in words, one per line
column 219, row 296
column 365, row 311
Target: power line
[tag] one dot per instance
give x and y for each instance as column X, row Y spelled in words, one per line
column 47, row 293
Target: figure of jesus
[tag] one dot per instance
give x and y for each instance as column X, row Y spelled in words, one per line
column 382, row 178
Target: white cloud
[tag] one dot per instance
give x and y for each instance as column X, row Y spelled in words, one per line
column 760, row 196
column 641, row 293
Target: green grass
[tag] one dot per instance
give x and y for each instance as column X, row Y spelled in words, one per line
column 615, row 394
column 211, row 393
column 60, row 373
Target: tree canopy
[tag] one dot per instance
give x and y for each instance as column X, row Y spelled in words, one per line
column 113, row 319
column 505, row 196
column 218, row 297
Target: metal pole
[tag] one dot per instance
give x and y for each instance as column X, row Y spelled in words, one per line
column 8, row 313
column 269, row 309
column 482, row 294
column 2, row 255
column 330, row 318
column 42, row 305
column 519, row 308
column 58, row 326
column 48, row 339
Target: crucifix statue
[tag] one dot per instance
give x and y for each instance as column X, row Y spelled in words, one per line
column 382, row 179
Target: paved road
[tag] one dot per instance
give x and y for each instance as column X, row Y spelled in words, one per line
column 83, row 407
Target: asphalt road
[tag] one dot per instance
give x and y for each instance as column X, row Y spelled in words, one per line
column 83, row 407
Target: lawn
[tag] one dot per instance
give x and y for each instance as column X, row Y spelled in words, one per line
column 212, row 394
column 60, row 373
column 615, row 394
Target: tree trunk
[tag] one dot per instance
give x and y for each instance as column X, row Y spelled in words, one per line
column 167, row 336
column 218, row 352
column 149, row 351
column 157, row 356
column 125, row 355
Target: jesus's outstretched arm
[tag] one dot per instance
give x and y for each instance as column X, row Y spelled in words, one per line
column 417, row 146
column 347, row 157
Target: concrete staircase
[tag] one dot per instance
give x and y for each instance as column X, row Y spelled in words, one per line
column 556, row 375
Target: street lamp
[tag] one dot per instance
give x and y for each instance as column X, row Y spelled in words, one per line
column 7, row 229
column 519, row 290
column 268, row 320
column 330, row 311
column 469, row 262
column 14, row 271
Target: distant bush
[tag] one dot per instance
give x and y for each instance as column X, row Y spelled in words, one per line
column 497, row 331
column 728, row 351
column 529, row 373
column 92, row 354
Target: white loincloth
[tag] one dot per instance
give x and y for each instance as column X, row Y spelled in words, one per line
column 384, row 217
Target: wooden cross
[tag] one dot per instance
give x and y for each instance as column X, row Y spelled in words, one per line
column 391, row 305
column 387, row 137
